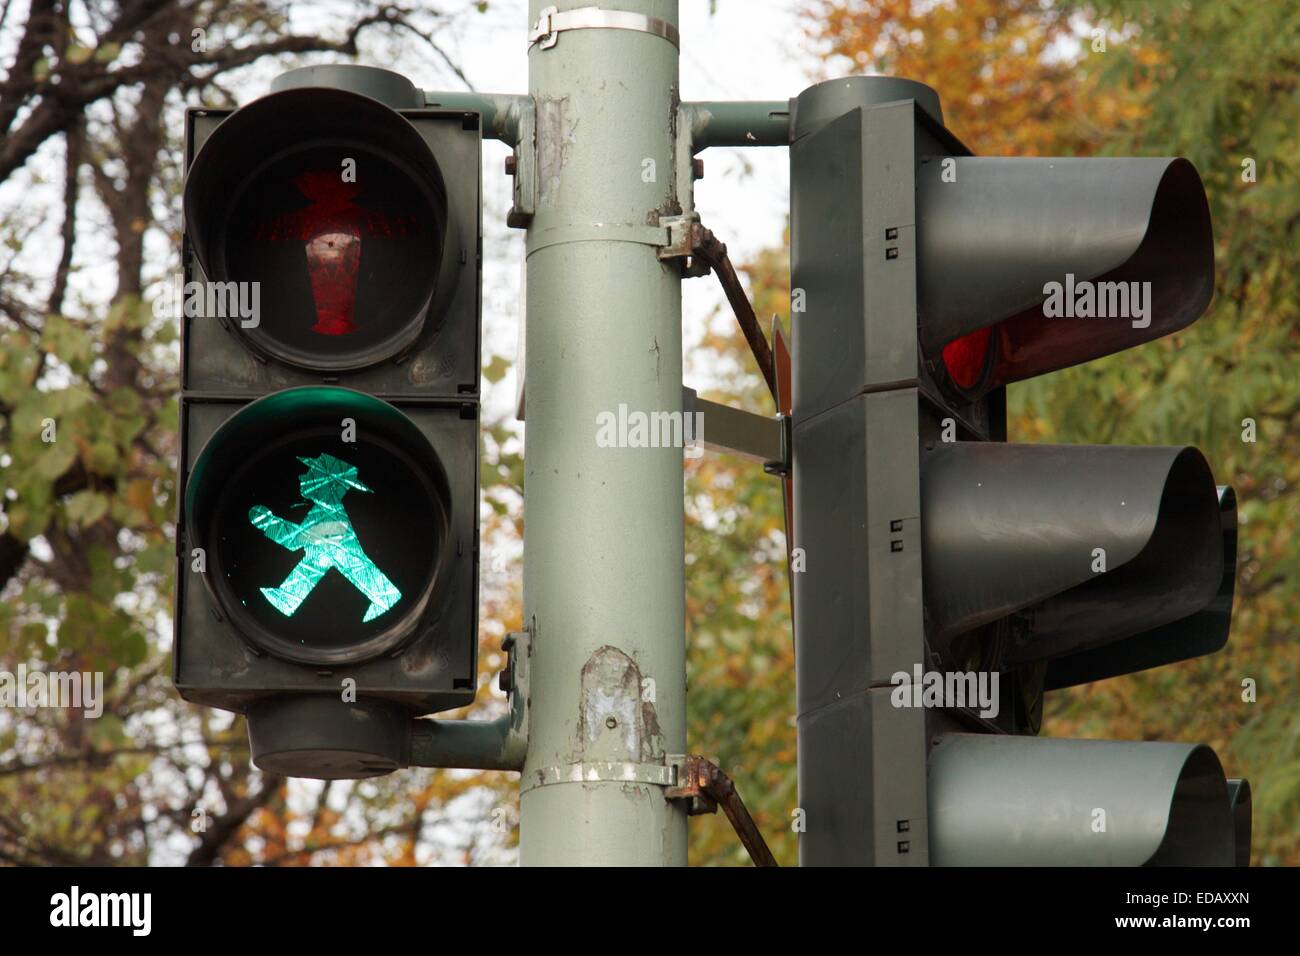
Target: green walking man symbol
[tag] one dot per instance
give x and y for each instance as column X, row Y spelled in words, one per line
column 328, row 539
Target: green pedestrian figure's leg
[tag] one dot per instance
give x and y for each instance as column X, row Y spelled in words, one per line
column 370, row 581
column 295, row 588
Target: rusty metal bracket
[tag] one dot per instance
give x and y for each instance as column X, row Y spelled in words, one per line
column 706, row 787
column 685, row 234
column 702, row 252
column 713, row 253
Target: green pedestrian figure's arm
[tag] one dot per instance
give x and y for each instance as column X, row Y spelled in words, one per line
column 282, row 532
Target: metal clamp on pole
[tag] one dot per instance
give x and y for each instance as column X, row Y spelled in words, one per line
column 655, row 774
column 551, row 23
column 694, row 780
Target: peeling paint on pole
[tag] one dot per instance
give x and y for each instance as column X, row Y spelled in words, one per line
column 555, row 133
column 616, row 723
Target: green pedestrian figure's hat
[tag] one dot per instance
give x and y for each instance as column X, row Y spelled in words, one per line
column 327, row 477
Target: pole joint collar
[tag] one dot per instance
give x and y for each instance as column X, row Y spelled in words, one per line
column 551, row 23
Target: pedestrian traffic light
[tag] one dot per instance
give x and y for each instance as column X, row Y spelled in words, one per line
column 353, row 219
column 281, row 500
column 328, row 540
column 951, row 578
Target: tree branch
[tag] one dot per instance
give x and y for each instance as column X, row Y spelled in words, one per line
column 76, row 142
column 227, row 825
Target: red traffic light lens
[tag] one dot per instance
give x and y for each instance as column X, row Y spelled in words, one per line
column 343, row 264
column 967, row 358
column 334, row 205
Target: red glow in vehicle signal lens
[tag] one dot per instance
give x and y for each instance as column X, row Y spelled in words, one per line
column 965, row 358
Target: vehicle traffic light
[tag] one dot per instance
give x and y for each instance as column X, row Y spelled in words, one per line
column 951, row 578
column 328, row 541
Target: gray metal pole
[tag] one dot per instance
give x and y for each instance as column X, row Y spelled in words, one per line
column 603, row 548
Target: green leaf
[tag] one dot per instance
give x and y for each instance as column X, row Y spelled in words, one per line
column 103, row 456
column 131, row 649
column 70, row 342
column 496, row 369
column 87, row 507
column 55, row 460
column 108, row 732
column 32, row 633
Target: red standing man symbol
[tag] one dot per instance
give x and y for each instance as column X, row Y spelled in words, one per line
column 331, row 229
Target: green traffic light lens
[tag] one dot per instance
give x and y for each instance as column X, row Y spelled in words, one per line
column 321, row 550
column 310, row 555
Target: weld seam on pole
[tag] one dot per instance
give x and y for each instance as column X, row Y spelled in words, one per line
column 597, row 232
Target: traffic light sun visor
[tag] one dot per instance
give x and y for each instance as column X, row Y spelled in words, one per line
column 1062, row 260
column 1097, row 542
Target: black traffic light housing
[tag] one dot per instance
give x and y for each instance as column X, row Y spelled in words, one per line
column 328, row 538
column 423, row 658
column 428, row 298
column 932, row 544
